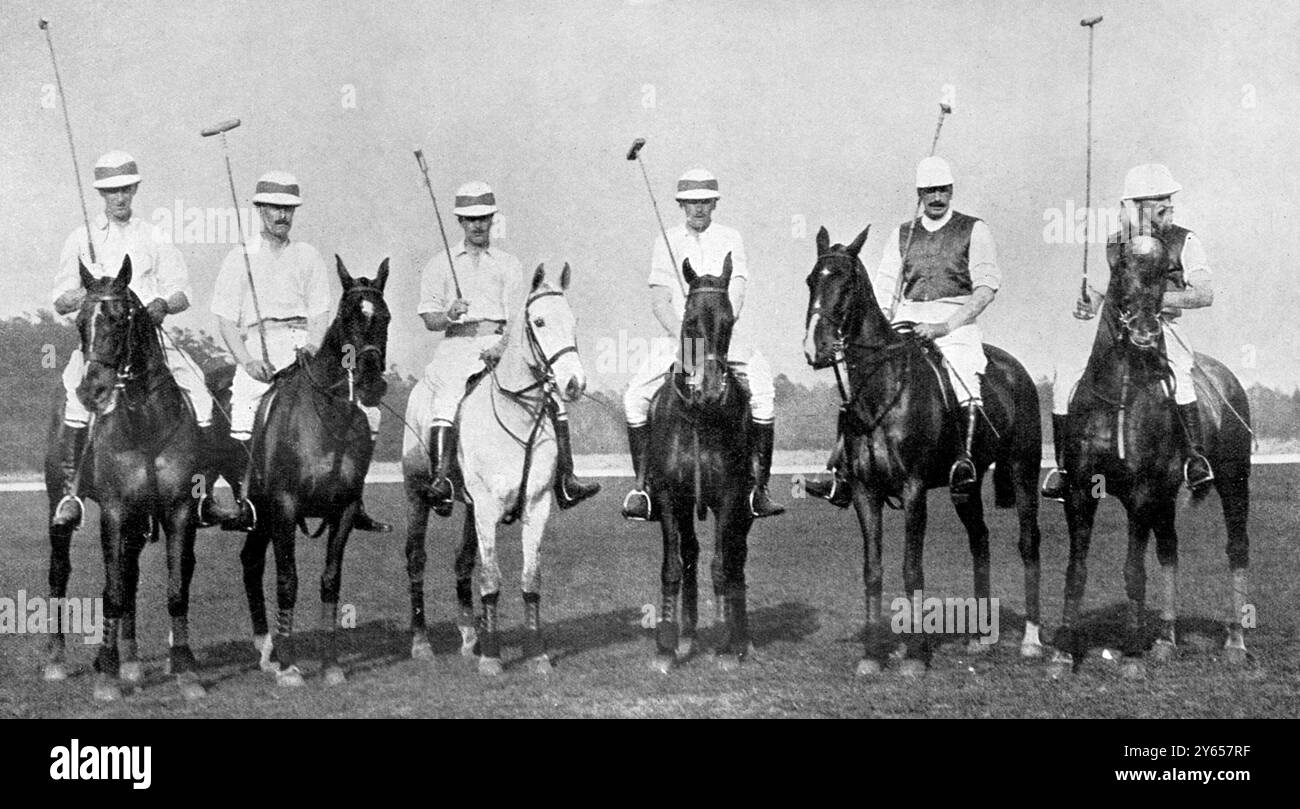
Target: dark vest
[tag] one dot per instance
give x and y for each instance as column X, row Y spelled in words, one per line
column 937, row 265
column 1172, row 237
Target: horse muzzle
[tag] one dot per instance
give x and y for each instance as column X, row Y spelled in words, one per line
column 98, row 391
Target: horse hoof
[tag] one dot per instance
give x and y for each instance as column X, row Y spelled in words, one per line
column 1164, row 651
column 55, row 672
column 132, row 671
column 662, row 663
column 490, row 666
column 541, row 665
column 911, row 668
column 290, row 678
column 867, row 667
column 420, row 649
column 1235, row 656
column 685, row 647
column 1133, row 669
column 263, row 644
column 106, row 690
column 468, row 641
column 191, row 688
column 1061, row 666
column 728, row 661
column 1031, row 650
column 334, row 676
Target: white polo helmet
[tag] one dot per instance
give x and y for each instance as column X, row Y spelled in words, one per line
column 116, row 170
column 475, row 198
column 933, row 172
column 697, row 184
column 277, row 188
column 1149, row 181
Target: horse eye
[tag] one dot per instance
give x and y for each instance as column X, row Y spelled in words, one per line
column 539, row 322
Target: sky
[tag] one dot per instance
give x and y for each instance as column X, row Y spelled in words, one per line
column 810, row 114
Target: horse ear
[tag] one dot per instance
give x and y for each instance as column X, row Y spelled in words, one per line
column 726, row 270
column 564, row 276
column 344, row 276
column 823, row 240
column 856, row 247
column 688, row 273
column 123, row 279
column 86, row 278
column 539, row 275
column 382, row 277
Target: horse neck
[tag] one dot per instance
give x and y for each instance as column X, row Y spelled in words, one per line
column 868, row 323
column 513, row 371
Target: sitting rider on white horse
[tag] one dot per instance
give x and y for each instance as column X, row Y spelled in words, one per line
column 1148, row 210
column 707, row 245
column 946, row 266
column 159, row 279
column 293, row 293
column 474, row 309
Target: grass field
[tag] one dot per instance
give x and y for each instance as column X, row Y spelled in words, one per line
column 805, row 598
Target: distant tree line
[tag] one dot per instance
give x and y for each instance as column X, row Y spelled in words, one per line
column 36, row 350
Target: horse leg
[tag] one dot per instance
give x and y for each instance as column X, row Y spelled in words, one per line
column 107, row 661
column 134, row 539
column 690, row 614
column 417, row 527
column 1234, row 495
column 917, row 655
column 253, row 560
column 181, row 528
column 56, row 667
column 489, row 661
column 971, row 513
column 465, row 557
column 868, row 505
column 730, row 536
column 535, row 516
column 1030, row 540
column 1080, row 511
column 331, row 582
column 283, row 536
column 1166, row 645
column 670, row 583
column 1135, row 585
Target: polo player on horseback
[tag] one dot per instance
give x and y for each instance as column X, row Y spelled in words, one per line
column 1147, row 210
column 292, row 289
column 707, row 245
column 946, row 267
column 159, row 279
column 474, row 308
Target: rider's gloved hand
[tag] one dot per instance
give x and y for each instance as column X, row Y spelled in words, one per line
column 493, row 353
column 157, row 310
column 1083, row 309
column 457, row 309
column 260, row 370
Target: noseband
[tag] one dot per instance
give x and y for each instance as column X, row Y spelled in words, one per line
column 122, row 366
column 710, row 357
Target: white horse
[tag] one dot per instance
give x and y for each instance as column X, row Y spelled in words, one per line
column 507, row 457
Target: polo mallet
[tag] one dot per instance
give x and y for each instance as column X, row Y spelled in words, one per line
column 1090, row 23
column 634, row 153
column 67, row 127
column 424, row 169
column 944, row 111
column 221, row 129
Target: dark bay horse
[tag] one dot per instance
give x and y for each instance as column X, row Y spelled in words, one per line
column 900, row 440
column 310, row 459
column 507, row 458
column 140, row 466
column 1125, row 440
column 699, row 462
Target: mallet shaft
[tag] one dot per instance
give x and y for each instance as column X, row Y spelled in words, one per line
column 67, row 127
column 446, row 246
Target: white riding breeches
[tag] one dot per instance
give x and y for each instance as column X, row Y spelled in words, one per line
column 750, row 366
column 184, row 370
column 962, row 348
column 1073, row 362
column 454, row 361
column 282, row 343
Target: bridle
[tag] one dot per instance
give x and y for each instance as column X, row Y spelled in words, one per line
column 122, row 366
column 349, row 377
column 714, row 358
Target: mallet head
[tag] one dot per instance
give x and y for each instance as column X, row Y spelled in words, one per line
column 636, row 147
column 43, row 23
column 946, row 109
column 217, row 129
column 1089, row 22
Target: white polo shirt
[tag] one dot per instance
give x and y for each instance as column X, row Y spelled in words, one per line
column 491, row 280
column 157, row 267
column 707, row 252
column 291, row 282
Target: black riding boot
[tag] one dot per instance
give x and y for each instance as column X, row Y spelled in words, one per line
column 570, row 490
column 364, row 522
column 209, row 511
column 1196, row 469
column 637, row 505
column 962, row 476
column 760, row 461
column 442, row 452
column 68, row 513
column 247, row 518
column 836, row 490
column 1054, row 487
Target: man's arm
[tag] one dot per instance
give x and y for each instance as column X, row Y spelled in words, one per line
column 1194, row 297
column 736, row 292
column 971, row 309
column 885, row 281
column 255, row 367
column 661, row 303
column 68, row 292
